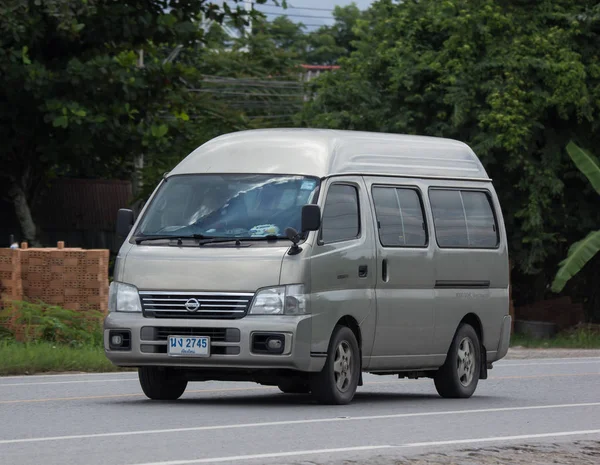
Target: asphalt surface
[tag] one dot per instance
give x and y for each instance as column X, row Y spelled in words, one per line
column 105, row 419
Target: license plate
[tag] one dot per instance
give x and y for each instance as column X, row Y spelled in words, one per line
column 189, row 346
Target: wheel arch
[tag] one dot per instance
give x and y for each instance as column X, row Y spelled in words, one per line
column 473, row 320
column 350, row 322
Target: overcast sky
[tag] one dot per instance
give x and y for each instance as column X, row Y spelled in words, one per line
column 312, row 13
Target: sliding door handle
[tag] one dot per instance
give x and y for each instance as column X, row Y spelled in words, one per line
column 363, row 271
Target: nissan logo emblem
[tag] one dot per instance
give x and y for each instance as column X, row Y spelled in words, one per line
column 192, row 305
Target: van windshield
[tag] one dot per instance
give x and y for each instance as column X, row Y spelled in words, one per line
column 228, row 205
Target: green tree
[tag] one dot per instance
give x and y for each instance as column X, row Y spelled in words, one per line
column 328, row 44
column 86, row 87
column 516, row 80
column 581, row 252
column 272, row 49
column 285, row 34
column 257, row 74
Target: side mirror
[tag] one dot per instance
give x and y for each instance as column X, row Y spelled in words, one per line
column 125, row 222
column 311, row 218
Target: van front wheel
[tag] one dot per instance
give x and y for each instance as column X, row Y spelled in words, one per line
column 336, row 384
column 459, row 375
column 157, row 385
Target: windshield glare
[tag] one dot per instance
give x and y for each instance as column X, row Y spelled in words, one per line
column 232, row 205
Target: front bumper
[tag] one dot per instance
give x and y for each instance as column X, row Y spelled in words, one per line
column 150, row 350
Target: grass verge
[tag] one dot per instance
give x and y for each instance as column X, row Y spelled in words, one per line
column 573, row 339
column 39, row 357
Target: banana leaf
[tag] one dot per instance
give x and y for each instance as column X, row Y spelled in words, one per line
column 579, row 254
column 586, row 163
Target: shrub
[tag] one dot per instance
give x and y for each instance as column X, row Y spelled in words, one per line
column 37, row 321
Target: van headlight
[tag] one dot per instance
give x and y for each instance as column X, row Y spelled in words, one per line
column 280, row 300
column 123, row 298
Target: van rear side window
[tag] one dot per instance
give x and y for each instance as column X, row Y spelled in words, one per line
column 399, row 217
column 463, row 218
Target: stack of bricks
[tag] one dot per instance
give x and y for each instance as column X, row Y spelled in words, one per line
column 11, row 287
column 72, row 278
column 85, row 283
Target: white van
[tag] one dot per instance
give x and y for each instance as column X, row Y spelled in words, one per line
column 302, row 258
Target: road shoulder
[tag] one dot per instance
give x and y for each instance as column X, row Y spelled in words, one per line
column 520, row 353
column 571, row 453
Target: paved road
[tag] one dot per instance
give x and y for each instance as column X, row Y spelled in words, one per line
column 105, row 419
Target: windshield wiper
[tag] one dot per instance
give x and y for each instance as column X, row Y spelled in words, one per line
column 202, row 239
column 219, row 240
column 270, row 237
column 140, row 239
column 238, row 240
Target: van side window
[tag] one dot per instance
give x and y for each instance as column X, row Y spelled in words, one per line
column 399, row 217
column 463, row 218
column 481, row 223
column 340, row 214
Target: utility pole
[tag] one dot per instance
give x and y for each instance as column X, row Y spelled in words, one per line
column 247, row 29
column 248, row 7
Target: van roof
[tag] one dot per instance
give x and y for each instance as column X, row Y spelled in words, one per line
column 326, row 152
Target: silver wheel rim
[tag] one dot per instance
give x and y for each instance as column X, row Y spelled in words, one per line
column 343, row 366
column 465, row 364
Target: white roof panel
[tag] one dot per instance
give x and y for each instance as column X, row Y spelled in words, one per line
column 324, row 152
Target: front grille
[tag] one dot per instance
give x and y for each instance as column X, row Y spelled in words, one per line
column 195, row 305
column 215, row 334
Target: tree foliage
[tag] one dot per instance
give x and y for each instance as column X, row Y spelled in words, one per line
column 272, row 49
column 328, row 44
column 584, row 250
column 243, row 82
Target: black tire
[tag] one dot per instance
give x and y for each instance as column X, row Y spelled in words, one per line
column 448, row 382
column 293, row 386
column 324, row 385
column 157, row 385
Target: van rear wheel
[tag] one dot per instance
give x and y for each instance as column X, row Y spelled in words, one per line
column 158, row 385
column 336, row 384
column 459, row 375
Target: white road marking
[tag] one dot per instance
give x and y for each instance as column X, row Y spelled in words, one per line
column 568, row 363
column 273, row 455
column 237, row 458
column 548, row 359
column 501, row 438
column 70, row 382
column 69, row 375
column 296, row 422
